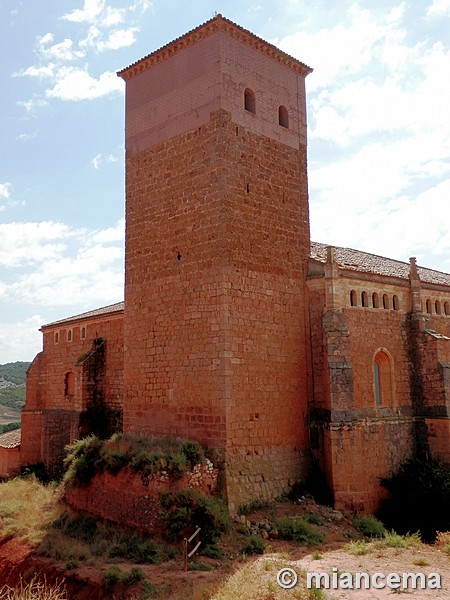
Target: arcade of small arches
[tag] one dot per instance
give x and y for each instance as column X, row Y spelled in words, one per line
column 437, row 307
column 374, row 301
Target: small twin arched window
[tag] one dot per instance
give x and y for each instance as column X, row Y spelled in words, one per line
column 250, row 106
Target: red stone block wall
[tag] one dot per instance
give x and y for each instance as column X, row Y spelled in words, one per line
column 217, row 242
column 9, row 461
column 127, row 499
column 51, row 415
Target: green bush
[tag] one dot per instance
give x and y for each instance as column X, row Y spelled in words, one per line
column 254, row 545
column 139, row 549
column 144, row 455
column 188, row 509
column 83, row 461
column 297, row 530
column 112, row 541
column 136, row 574
column 199, row 566
column 112, row 576
column 314, row 519
column 419, row 498
column 211, row 551
column 252, row 506
column 369, row 526
column 10, row 427
column 115, row 575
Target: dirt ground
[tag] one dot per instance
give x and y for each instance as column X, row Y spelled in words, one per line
column 169, row 581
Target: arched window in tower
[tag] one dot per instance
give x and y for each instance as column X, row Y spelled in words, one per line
column 364, row 299
column 353, row 298
column 395, row 303
column 446, row 308
column 375, row 300
column 385, row 301
column 250, row 100
column 428, row 305
column 382, row 375
column 437, row 307
column 283, row 117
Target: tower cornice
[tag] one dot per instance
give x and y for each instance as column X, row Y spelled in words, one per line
column 217, row 23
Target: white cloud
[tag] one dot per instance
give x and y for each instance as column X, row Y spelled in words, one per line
column 439, row 8
column 113, row 16
column 59, row 61
column 43, row 72
column 21, row 340
column 52, row 264
column 121, row 38
column 347, row 48
column 62, row 51
column 5, row 195
column 99, row 160
column 25, row 137
column 76, row 84
column 5, row 190
column 90, row 12
column 23, row 244
column 32, row 104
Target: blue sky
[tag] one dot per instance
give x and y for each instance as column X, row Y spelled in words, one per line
column 379, row 136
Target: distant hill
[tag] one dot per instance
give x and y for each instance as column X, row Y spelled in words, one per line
column 12, row 388
column 15, row 372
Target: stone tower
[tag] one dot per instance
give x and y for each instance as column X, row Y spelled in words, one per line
column 217, row 244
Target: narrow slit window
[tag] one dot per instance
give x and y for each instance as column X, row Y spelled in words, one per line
column 446, row 308
column 385, row 301
column 364, row 299
column 375, row 300
column 396, row 303
column 428, row 305
column 283, row 117
column 69, row 335
column 437, row 307
column 353, row 298
column 250, row 101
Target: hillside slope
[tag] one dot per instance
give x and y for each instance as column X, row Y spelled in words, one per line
column 12, row 390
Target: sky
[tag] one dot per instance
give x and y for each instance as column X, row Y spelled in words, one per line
column 378, row 106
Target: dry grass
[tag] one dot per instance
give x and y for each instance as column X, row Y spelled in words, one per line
column 26, row 509
column 258, row 579
column 34, row 590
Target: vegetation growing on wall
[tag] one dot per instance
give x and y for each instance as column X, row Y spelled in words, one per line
column 187, row 509
column 142, row 454
column 420, row 498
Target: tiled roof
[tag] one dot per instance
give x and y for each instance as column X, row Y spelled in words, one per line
column 217, row 23
column 105, row 310
column 10, row 439
column 356, row 260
